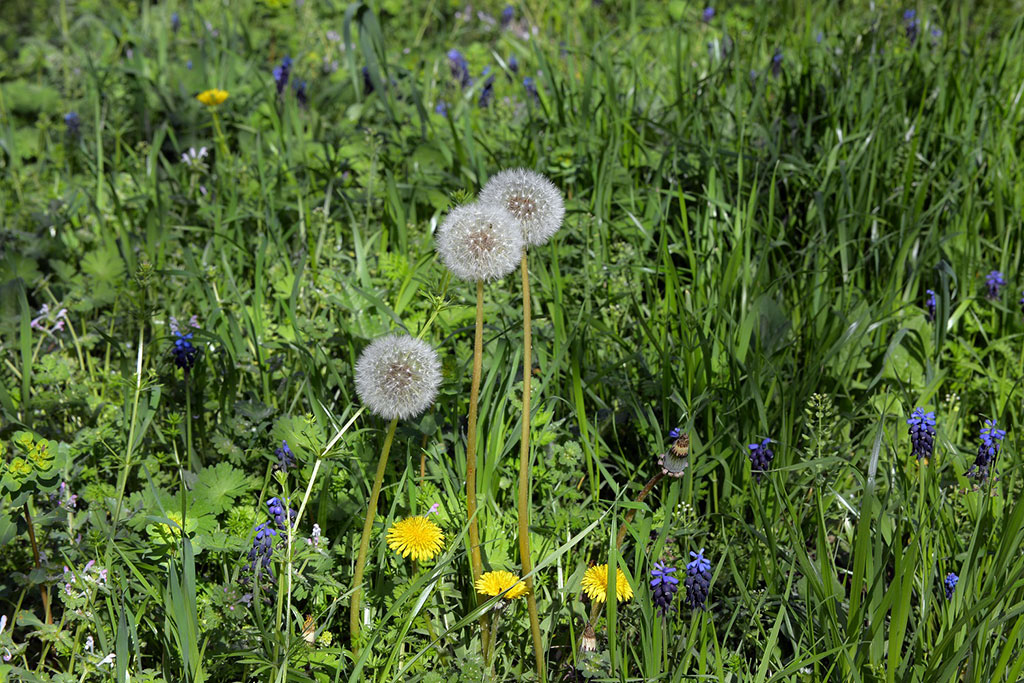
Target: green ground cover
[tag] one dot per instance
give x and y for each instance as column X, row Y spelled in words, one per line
column 760, row 204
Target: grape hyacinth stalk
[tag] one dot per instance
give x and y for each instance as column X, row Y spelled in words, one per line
column 922, row 433
column 760, row 458
column 931, row 305
column 537, row 210
column 478, row 243
column 698, row 579
column 664, row 587
column 994, row 281
column 397, row 377
column 991, row 437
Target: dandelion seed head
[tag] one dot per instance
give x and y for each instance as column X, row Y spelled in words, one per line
column 398, row 376
column 479, row 242
column 532, row 199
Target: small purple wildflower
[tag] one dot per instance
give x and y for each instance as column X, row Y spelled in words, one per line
column 708, row 14
column 507, row 15
column 281, row 73
column 285, row 457
column 760, row 458
column 487, row 92
column 175, row 22
column 698, row 579
column 664, row 585
column 1021, row 302
column 531, row 89
column 184, row 352
column 262, row 550
column 911, row 24
column 513, row 64
column 301, row 95
column 459, row 68
column 777, row 62
column 988, row 449
column 950, row 584
column 931, row 305
column 72, row 123
column 276, row 509
column 994, row 280
column 922, row 433
column 674, row 433
column 441, row 108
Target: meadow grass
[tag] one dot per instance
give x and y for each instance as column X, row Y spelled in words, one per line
column 745, row 256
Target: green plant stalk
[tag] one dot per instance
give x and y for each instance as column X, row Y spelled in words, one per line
column 188, row 421
column 43, row 591
column 474, row 530
column 131, row 437
column 364, row 542
column 524, row 478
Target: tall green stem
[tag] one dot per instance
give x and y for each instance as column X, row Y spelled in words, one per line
column 364, row 542
column 524, row 477
column 474, row 531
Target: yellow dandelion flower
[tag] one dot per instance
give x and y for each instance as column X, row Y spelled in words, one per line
column 211, row 98
column 416, row 536
column 595, row 584
column 493, row 583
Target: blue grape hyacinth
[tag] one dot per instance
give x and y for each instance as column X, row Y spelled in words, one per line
column 991, row 438
column 664, row 586
column 708, row 14
column 922, row 433
column 285, row 457
column 1021, row 302
column 950, row 584
column 911, row 24
column 184, row 352
column 777, row 62
column 73, row 123
column 459, row 67
column 931, row 305
column 487, row 92
column 276, row 509
column 281, row 73
column 760, row 458
column 698, row 579
column 531, row 89
column 994, row 280
column 262, row 550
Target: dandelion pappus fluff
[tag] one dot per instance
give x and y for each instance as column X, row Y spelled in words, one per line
column 478, row 242
column 532, row 199
column 398, row 376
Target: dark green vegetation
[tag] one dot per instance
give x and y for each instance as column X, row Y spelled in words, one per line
column 745, row 255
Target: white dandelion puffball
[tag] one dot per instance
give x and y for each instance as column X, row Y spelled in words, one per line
column 531, row 198
column 478, row 242
column 398, row 376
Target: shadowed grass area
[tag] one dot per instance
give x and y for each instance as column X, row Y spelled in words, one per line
column 757, row 203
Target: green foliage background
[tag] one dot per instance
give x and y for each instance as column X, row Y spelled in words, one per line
column 745, row 255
